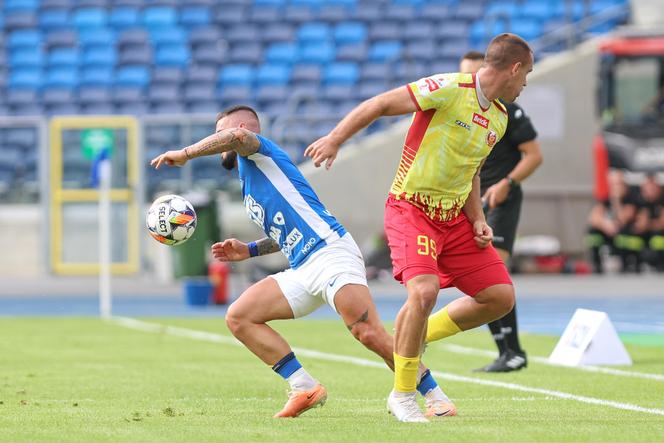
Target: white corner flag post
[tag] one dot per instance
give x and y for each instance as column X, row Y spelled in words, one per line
column 590, row 339
column 105, row 235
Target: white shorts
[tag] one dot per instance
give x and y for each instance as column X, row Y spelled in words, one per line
column 319, row 278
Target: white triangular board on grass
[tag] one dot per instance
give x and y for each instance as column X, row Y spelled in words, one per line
column 590, row 339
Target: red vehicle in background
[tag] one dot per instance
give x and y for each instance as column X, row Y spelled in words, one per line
column 631, row 106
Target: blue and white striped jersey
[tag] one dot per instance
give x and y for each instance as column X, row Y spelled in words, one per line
column 280, row 200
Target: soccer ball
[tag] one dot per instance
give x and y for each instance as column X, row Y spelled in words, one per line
column 171, row 220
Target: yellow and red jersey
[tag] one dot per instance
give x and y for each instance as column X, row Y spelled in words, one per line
column 448, row 138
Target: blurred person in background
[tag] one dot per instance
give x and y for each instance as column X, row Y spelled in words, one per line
column 650, row 221
column 611, row 226
column 514, row 158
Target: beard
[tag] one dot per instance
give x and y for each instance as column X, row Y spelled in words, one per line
column 229, row 160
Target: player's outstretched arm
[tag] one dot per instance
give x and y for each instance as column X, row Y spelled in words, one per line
column 241, row 140
column 236, row 250
column 394, row 102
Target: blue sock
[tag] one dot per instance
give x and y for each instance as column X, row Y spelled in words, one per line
column 427, row 383
column 288, row 365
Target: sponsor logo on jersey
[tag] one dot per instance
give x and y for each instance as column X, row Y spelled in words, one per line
column 482, row 121
column 255, row 210
column 308, row 246
column 463, row 125
column 293, row 238
column 279, row 219
column 430, row 84
column 491, row 138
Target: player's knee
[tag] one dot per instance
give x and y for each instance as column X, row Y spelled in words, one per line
column 505, row 299
column 367, row 335
column 235, row 321
column 423, row 294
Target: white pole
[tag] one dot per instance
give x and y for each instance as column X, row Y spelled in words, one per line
column 105, row 238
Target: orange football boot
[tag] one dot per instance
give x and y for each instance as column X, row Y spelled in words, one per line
column 439, row 408
column 301, row 401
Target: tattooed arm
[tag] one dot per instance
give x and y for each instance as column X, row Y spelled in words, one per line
column 235, row 250
column 241, row 140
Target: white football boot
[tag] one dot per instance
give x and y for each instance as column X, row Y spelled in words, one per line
column 405, row 408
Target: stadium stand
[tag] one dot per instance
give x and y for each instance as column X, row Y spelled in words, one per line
column 154, row 57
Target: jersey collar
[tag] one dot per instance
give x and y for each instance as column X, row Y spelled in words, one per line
column 481, row 98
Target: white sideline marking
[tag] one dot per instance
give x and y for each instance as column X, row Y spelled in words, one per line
column 619, row 372
column 217, row 338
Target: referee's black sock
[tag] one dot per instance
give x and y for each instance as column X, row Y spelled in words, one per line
column 496, row 328
column 510, row 332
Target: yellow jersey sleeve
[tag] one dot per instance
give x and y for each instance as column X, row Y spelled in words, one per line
column 438, row 91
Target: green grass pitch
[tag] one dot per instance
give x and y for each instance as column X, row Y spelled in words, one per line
column 85, row 380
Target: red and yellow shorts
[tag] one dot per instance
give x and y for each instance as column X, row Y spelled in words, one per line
column 421, row 246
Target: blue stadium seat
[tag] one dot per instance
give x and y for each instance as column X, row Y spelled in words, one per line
column 198, row 92
column 54, row 19
column 209, row 54
column 277, row 32
column 350, row 32
column 133, row 37
column 435, row 12
column 90, row 18
column 298, row 15
column 167, row 75
column 342, row 73
column 62, row 77
column 527, row 29
column 21, row 5
column 370, row 89
column 406, row 72
column 132, row 76
column 61, row 37
column 198, row 74
column 469, row 11
column 353, row 53
column 64, row 57
column 337, row 93
column 100, row 56
column 508, row 9
column 537, row 10
column 243, row 33
column 135, row 55
column 375, row 71
column 423, row 30
column 420, row 50
column 168, row 35
column 385, row 51
column 264, row 15
column 124, row 17
column 141, row 108
column 314, row 32
column 94, row 94
column 25, row 57
column 20, row 20
column 273, row 74
column 97, row 76
column 246, row 52
column 230, row 94
column 195, row 16
column 45, row 4
column 453, row 49
column 282, row 53
column 269, row 2
column 317, row 52
column 239, row 74
column 163, row 93
column 306, row 73
column 333, row 13
column 203, row 35
column 451, row 29
column 57, row 95
column 159, row 16
column 25, row 79
column 172, row 55
column 400, row 13
column 97, row 36
column 231, row 15
column 367, row 12
column 25, row 38
column 97, row 109
column 270, row 93
column 128, row 94
column 382, row 30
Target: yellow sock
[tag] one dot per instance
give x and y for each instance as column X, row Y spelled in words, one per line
column 440, row 325
column 405, row 373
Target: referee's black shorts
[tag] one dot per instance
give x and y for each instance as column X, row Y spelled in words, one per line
column 504, row 219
